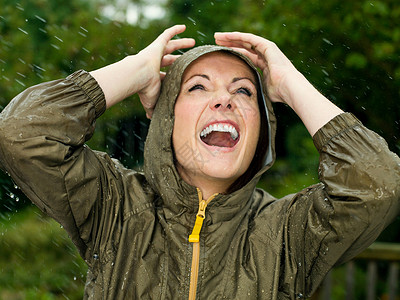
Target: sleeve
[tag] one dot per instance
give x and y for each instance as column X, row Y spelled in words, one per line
column 42, row 136
column 359, row 195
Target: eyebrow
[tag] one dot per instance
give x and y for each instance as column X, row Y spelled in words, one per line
column 233, row 80
column 241, row 78
column 201, row 75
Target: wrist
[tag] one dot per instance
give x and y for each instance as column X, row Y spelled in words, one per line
column 295, row 88
column 140, row 65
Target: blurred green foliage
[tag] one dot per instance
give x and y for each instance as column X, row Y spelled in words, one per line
column 348, row 49
column 37, row 259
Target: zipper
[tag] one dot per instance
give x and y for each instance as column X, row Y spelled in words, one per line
column 195, row 239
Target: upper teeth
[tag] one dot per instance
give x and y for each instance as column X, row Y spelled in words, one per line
column 220, row 128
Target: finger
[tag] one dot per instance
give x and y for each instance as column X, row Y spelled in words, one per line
column 258, row 60
column 248, row 41
column 233, row 44
column 149, row 113
column 240, row 45
column 146, row 104
column 177, row 44
column 162, row 75
column 168, row 60
column 239, row 37
column 170, row 32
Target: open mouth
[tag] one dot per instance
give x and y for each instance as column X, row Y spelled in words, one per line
column 220, row 135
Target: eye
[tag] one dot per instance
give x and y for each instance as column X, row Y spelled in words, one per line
column 196, row 87
column 245, row 91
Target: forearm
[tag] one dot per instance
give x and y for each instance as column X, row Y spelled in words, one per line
column 121, row 79
column 310, row 105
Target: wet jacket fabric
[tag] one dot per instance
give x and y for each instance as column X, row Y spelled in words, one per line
column 132, row 228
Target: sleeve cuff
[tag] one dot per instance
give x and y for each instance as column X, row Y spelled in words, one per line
column 333, row 128
column 91, row 88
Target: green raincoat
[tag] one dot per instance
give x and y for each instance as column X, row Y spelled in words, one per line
column 132, row 228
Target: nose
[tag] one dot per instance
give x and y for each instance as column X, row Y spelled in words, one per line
column 222, row 101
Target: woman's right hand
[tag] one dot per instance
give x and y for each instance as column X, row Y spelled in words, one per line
column 158, row 55
column 141, row 73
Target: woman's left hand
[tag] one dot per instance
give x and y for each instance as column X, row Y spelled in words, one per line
column 277, row 69
column 283, row 81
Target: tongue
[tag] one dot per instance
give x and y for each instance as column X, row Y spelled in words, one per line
column 219, row 139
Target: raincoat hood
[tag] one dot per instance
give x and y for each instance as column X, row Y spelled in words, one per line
column 159, row 165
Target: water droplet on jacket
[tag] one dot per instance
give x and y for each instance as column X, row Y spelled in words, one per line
column 300, row 296
column 96, row 256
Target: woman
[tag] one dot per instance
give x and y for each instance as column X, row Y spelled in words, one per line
column 194, row 225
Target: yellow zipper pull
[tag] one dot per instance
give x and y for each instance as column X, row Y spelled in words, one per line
column 201, row 214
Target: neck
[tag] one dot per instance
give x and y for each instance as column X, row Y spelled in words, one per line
column 207, row 185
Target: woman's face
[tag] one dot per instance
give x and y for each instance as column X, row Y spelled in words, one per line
column 217, row 120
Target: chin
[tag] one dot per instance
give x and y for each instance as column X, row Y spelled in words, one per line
column 221, row 171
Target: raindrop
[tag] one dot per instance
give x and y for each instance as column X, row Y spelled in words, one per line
column 200, row 33
column 327, row 41
column 41, row 19
column 20, row 29
column 59, row 39
column 325, row 72
column 192, row 20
